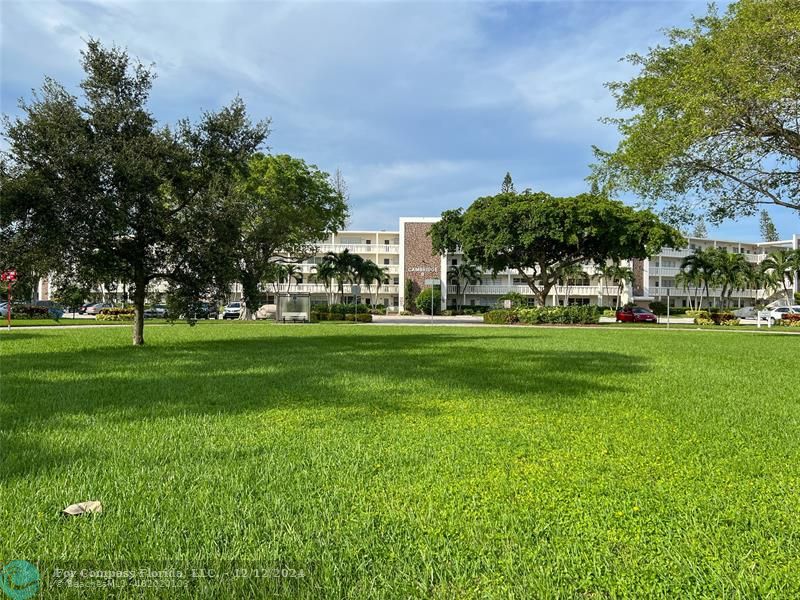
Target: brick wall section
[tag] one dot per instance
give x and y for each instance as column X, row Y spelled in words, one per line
column 418, row 254
column 638, row 277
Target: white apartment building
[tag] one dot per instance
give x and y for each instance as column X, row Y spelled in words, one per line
column 407, row 255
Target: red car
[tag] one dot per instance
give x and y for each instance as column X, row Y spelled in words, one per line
column 635, row 315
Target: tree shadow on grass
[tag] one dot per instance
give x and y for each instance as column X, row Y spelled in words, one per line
column 350, row 376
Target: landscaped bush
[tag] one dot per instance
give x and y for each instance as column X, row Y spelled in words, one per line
column 360, row 318
column 27, row 311
column 789, row 320
column 733, row 321
column 423, row 301
column 583, row 315
column 609, row 312
column 517, row 300
column 658, row 308
column 115, row 314
column 566, row 315
column 378, row 309
column 501, row 316
column 722, row 318
column 713, row 317
column 476, row 310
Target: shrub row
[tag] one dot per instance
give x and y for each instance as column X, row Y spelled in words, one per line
column 115, row 314
column 25, row 311
column 583, row 315
column 704, row 317
column 361, row 317
column 30, row 311
column 789, row 321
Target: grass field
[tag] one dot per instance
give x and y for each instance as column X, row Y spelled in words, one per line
column 407, row 462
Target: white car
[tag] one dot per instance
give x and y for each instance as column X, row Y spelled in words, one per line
column 747, row 312
column 776, row 314
column 232, row 311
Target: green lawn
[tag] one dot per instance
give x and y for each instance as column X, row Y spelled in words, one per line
column 408, row 461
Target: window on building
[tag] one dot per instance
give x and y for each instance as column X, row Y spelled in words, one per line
column 472, row 301
column 367, row 242
column 454, row 262
column 386, row 261
column 386, row 242
column 397, row 281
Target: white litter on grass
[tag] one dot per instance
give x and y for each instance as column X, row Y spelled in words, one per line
column 83, row 508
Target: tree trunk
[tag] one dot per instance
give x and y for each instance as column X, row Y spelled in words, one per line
column 138, row 306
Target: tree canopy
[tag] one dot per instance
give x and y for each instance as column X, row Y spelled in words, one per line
column 281, row 208
column 539, row 236
column 715, row 113
column 769, row 233
column 94, row 189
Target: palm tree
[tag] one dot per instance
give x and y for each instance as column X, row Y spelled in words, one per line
column 368, row 273
column 324, row 273
column 344, row 267
column 729, row 272
column 623, row 276
column 568, row 274
column 462, row 276
column 689, row 280
column 699, row 267
column 782, row 265
column 605, row 273
column 292, row 271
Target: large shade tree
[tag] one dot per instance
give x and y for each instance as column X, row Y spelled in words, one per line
column 711, row 119
column 281, row 208
column 538, row 236
column 104, row 193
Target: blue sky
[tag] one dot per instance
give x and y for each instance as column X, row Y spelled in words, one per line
column 423, row 106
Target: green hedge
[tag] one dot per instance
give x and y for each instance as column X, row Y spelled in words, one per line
column 363, row 317
column 115, row 314
column 27, row 311
column 572, row 315
column 360, row 317
column 501, row 316
column 704, row 317
column 792, row 320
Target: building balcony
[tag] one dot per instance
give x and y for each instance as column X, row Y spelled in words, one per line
column 672, row 253
column 318, row 288
column 680, row 292
column 360, row 248
column 499, row 290
column 664, row 271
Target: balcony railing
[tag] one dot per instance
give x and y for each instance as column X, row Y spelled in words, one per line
column 318, row 288
column 499, row 290
column 664, row 271
column 713, row 292
column 360, row 248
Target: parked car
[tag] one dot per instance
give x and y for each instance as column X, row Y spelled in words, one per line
column 3, row 309
column 158, row 311
column 94, row 309
column 635, row 314
column 776, row 314
column 204, row 310
column 232, row 310
column 747, row 312
column 82, row 309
